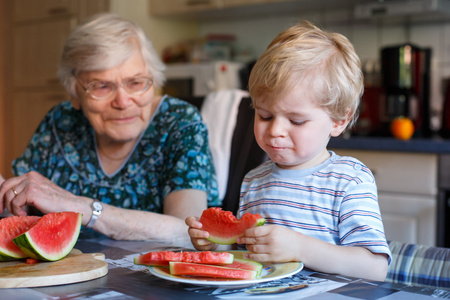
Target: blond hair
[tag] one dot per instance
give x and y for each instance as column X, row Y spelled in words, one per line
column 103, row 42
column 325, row 61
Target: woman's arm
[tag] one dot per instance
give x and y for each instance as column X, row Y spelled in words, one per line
column 140, row 225
column 118, row 223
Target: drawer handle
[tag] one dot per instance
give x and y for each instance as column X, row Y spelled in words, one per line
column 57, row 11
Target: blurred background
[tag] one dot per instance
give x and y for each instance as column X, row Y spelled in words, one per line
column 208, row 45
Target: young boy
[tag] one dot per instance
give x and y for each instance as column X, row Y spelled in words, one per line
column 320, row 208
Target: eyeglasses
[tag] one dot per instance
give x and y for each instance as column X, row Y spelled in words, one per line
column 100, row 90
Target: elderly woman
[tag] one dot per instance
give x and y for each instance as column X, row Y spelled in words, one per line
column 133, row 163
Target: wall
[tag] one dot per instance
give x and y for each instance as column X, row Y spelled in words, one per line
column 161, row 32
column 254, row 34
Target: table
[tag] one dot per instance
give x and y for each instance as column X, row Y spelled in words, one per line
column 128, row 281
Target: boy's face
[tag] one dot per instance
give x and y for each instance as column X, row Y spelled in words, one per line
column 293, row 130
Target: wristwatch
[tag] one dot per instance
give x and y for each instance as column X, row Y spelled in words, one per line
column 97, row 208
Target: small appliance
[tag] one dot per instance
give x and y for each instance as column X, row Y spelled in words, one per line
column 405, row 71
column 445, row 129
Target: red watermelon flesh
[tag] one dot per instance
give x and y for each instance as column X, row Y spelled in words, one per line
column 162, row 258
column 201, row 270
column 224, row 228
column 11, row 227
column 52, row 237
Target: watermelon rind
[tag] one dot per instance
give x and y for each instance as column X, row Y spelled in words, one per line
column 202, row 270
column 247, row 264
column 232, row 240
column 34, row 248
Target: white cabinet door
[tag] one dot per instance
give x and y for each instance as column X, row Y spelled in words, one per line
column 409, row 218
column 407, row 192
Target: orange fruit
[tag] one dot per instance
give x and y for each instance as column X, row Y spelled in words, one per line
column 402, row 128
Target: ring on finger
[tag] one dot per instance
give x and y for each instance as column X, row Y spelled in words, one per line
column 14, row 191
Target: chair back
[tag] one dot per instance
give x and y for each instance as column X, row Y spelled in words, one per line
column 419, row 265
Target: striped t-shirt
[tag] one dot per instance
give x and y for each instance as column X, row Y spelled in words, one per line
column 335, row 201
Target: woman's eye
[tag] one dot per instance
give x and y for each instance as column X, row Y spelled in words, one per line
column 100, row 86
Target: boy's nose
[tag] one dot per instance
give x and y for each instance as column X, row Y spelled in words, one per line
column 277, row 128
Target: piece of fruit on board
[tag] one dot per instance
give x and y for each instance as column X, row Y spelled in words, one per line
column 10, row 227
column 52, row 237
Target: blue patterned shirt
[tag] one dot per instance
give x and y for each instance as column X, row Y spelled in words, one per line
column 335, row 201
column 172, row 154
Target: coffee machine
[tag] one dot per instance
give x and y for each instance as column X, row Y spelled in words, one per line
column 405, row 71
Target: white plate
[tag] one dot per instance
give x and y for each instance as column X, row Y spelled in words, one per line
column 271, row 271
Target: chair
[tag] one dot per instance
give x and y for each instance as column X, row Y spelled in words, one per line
column 245, row 153
column 419, row 265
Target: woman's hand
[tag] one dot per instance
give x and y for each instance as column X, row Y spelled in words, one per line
column 36, row 190
column 272, row 243
column 198, row 236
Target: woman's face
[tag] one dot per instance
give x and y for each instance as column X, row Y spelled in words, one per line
column 122, row 117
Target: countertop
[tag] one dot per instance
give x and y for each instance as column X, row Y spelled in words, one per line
column 419, row 145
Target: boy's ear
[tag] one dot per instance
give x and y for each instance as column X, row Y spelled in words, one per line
column 339, row 127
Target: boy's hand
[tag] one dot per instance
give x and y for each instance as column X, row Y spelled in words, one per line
column 198, row 236
column 272, row 243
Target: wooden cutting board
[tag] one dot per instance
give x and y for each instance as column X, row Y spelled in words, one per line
column 75, row 267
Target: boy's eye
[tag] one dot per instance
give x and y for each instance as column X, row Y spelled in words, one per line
column 298, row 122
column 264, row 118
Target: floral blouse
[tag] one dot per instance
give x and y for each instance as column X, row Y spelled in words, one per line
column 172, row 154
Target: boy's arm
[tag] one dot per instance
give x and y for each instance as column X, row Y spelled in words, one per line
column 345, row 260
column 281, row 244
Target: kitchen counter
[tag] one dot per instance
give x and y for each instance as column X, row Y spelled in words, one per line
column 418, row 145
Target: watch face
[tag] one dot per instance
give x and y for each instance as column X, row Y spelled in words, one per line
column 97, row 205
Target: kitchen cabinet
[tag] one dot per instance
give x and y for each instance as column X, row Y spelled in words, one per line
column 29, row 108
column 38, row 32
column 231, row 3
column 407, row 192
column 33, row 10
column 28, row 10
column 180, row 7
column 37, row 50
column 175, row 7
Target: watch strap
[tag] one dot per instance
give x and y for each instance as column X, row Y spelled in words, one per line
column 95, row 213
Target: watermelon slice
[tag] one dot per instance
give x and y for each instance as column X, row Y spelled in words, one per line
column 162, row 258
column 200, row 270
column 52, row 237
column 224, row 228
column 246, row 264
column 11, row 227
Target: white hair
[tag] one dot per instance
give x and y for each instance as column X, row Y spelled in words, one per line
column 103, row 42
